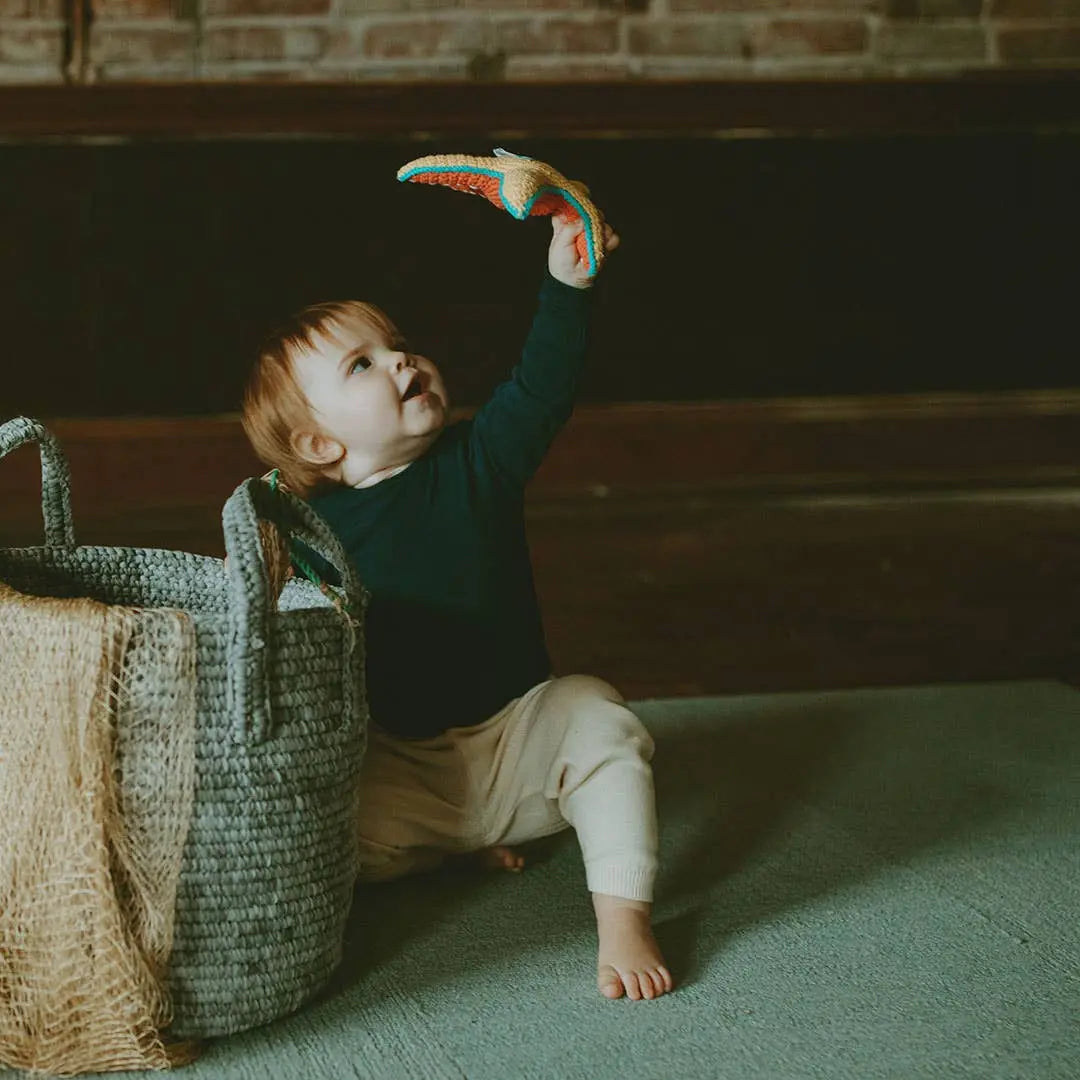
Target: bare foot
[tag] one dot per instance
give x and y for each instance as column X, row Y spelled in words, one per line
column 501, row 858
column 630, row 961
column 492, row 858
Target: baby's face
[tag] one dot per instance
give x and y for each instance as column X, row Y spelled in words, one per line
column 385, row 406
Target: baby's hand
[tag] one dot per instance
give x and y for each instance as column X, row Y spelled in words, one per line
column 563, row 259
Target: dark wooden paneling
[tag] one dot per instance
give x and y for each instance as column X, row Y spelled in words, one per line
column 718, row 548
column 766, row 593
column 138, row 279
column 954, row 442
column 982, row 100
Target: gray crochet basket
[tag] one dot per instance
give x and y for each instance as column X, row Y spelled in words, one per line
column 269, row 863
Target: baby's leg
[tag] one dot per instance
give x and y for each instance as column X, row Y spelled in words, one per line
column 410, row 807
column 379, row 863
column 411, row 812
column 602, row 782
column 384, row 864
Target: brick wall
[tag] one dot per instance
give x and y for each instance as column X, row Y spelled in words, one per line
column 117, row 40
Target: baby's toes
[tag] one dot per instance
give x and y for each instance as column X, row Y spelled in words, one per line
column 633, row 987
column 504, row 858
column 610, row 982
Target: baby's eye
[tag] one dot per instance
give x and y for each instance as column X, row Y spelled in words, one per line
column 359, row 364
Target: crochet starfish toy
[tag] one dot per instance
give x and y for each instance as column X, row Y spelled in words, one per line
column 522, row 186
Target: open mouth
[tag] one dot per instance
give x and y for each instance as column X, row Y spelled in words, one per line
column 414, row 389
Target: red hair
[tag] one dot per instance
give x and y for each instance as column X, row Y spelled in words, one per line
column 274, row 407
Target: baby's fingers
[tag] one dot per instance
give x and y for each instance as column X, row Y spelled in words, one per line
column 571, row 224
column 611, row 238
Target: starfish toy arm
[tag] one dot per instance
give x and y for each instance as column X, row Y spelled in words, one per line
column 522, row 186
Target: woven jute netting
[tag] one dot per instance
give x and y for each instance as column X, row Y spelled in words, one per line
column 97, row 725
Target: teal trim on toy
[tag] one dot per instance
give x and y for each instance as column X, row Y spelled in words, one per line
column 522, row 186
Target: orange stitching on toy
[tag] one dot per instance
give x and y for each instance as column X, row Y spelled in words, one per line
column 520, row 178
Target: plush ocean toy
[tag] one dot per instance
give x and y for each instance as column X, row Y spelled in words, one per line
column 522, row 186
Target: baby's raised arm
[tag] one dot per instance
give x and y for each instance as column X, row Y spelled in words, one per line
column 514, row 429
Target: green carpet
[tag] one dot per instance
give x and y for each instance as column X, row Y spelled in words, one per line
column 862, row 884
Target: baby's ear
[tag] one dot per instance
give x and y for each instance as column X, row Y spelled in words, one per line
column 317, row 449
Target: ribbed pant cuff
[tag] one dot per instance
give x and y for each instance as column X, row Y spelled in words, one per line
column 629, row 882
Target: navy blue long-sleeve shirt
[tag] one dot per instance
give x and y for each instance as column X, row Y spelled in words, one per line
column 453, row 627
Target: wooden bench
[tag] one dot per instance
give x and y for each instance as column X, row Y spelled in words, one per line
column 685, row 549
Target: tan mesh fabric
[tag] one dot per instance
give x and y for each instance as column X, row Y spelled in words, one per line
column 96, row 781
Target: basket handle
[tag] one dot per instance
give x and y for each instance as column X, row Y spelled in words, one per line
column 251, row 605
column 55, row 477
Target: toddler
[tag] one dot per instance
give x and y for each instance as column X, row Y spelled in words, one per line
column 474, row 745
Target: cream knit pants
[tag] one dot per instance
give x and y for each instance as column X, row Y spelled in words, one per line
column 567, row 753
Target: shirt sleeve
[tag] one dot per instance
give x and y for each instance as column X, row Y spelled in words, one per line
column 512, row 432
